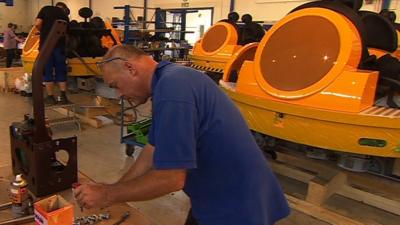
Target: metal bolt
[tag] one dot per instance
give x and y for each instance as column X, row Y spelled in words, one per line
column 104, row 216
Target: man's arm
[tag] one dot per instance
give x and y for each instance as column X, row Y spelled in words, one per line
column 152, row 184
column 143, row 164
column 13, row 35
column 141, row 182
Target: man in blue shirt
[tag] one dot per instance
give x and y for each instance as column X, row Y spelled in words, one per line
column 198, row 142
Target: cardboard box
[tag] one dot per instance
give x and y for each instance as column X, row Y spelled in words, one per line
column 54, row 210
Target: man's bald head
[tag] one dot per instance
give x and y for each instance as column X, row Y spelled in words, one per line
column 124, row 52
column 130, row 71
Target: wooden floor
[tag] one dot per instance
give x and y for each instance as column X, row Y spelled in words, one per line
column 335, row 196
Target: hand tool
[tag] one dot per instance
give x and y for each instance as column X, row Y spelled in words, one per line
column 5, row 206
column 21, row 220
column 123, row 218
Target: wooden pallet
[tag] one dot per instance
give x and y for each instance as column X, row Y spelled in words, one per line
column 96, row 111
column 93, row 122
column 322, row 190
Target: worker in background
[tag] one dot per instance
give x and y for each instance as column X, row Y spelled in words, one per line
column 251, row 31
column 198, row 143
column 57, row 61
column 10, row 44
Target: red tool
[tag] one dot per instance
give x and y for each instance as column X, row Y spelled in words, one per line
column 74, row 186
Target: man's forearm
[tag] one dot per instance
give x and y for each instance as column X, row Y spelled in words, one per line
column 143, row 164
column 152, row 184
column 140, row 183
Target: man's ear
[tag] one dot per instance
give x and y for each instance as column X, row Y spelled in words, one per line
column 128, row 66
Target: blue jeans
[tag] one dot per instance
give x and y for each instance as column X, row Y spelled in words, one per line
column 56, row 67
column 10, row 56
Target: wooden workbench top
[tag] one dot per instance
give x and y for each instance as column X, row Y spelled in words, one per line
column 115, row 211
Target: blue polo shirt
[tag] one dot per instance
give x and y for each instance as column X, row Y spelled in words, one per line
column 197, row 127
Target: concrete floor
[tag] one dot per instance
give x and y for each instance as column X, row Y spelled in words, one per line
column 102, row 158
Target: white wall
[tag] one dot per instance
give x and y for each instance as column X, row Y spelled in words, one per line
column 73, row 5
column 274, row 10
column 261, row 10
column 199, row 22
column 105, row 9
column 16, row 14
column 221, row 7
column 395, row 6
column 267, row 10
column 100, row 8
column 34, row 7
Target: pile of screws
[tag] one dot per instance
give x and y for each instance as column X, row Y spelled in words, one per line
column 89, row 220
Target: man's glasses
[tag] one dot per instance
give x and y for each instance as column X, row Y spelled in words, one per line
column 100, row 64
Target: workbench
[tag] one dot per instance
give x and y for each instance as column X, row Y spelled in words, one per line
column 115, row 211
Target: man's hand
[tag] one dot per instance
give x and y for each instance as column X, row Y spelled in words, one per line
column 92, row 195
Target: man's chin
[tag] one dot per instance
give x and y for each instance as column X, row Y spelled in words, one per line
column 135, row 101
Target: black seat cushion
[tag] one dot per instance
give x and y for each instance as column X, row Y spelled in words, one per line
column 98, row 22
column 353, row 4
column 389, row 66
column 381, row 33
column 251, row 32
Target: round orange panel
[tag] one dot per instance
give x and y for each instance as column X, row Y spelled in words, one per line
column 218, row 36
column 235, row 63
column 305, row 52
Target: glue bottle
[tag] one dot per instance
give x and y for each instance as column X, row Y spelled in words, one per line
column 19, row 196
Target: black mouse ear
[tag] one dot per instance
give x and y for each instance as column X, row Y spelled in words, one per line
column 353, row 4
column 67, row 11
column 390, row 15
column 357, row 4
column 85, row 12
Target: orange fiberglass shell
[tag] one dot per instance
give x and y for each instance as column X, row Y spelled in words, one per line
column 216, row 47
column 30, row 50
column 301, row 84
column 107, row 41
column 315, row 69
